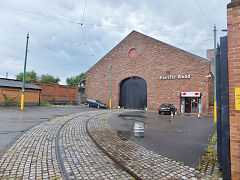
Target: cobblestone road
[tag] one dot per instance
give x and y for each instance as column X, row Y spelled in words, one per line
column 63, row 149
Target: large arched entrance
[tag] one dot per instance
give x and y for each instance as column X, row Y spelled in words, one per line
column 133, row 93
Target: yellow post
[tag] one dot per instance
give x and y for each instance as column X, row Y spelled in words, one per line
column 110, row 99
column 215, row 59
column 215, row 112
column 22, row 101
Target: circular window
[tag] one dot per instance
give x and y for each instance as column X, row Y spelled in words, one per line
column 132, row 53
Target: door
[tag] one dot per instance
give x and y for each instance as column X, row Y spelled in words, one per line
column 194, row 105
column 133, row 93
column 188, row 105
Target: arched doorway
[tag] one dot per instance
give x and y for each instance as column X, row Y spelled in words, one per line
column 133, row 93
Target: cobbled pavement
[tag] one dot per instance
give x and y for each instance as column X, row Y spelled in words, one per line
column 62, row 149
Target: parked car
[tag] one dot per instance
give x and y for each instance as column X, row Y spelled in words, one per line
column 95, row 103
column 167, row 108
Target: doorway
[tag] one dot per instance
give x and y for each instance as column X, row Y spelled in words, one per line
column 190, row 105
column 133, row 93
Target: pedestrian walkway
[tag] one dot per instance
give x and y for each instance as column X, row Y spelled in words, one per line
column 83, row 146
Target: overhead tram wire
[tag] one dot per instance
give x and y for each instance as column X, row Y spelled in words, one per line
column 85, row 43
column 37, row 14
column 85, row 5
column 83, row 36
column 99, row 25
column 91, row 24
column 202, row 12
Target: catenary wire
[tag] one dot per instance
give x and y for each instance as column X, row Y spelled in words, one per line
column 92, row 24
column 85, row 5
column 202, row 12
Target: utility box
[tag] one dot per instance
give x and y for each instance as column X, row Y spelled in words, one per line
column 139, row 129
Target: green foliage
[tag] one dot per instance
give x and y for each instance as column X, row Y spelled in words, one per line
column 211, row 102
column 78, row 80
column 210, row 158
column 30, row 76
column 7, row 100
column 44, row 103
column 70, row 81
column 49, row 79
column 18, row 105
column 181, row 162
column 199, row 167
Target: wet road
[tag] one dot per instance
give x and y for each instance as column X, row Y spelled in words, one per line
column 181, row 138
column 13, row 122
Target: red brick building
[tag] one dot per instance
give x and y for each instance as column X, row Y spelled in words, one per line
column 146, row 73
column 234, row 85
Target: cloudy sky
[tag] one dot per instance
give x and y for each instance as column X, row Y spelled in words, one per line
column 68, row 36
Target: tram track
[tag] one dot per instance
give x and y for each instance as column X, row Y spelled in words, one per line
column 60, row 159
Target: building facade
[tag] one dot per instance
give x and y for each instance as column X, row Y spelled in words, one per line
column 142, row 72
column 13, row 88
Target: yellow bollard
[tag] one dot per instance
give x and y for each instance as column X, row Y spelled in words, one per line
column 215, row 112
column 110, row 104
column 22, row 102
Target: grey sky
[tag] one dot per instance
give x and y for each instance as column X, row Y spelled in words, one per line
column 56, row 45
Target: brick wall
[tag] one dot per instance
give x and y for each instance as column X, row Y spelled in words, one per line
column 30, row 97
column 58, row 93
column 234, row 82
column 151, row 60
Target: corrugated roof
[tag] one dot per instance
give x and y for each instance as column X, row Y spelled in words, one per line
column 11, row 83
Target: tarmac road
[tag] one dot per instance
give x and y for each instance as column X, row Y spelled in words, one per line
column 13, row 122
column 181, row 138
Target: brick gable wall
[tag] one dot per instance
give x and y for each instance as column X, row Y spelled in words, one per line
column 153, row 59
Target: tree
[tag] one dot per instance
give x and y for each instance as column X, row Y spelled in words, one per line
column 30, row 76
column 49, row 79
column 78, row 80
column 70, row 81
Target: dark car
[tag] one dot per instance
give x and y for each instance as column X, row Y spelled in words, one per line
column 95, row 103
column 167, row 108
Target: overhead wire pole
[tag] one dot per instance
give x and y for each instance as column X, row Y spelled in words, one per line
column 215, row 59
column 110, row 100
column 24, row 74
